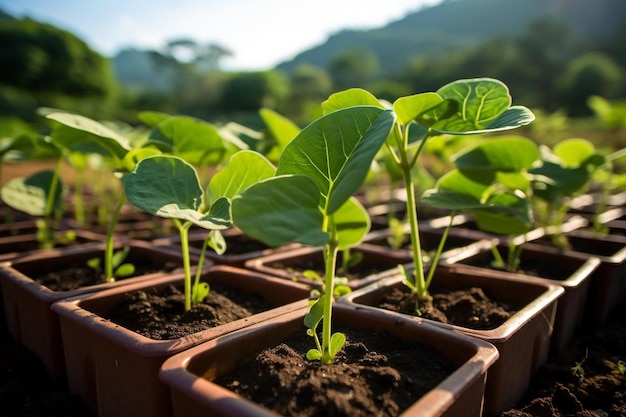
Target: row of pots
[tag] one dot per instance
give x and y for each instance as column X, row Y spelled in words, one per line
column 107, row 364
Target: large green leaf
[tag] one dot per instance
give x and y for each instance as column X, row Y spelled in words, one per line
column 574, row 151
column 196, row 141
column 30, row 195
column 72, row 130
column 243, row 169
column 337, row 150
column 167, row 186
column 280, row 210
column 505, row 214
column 507, row 154
column 281, row 129
column 349, row 98
column 483, row 106
column 352, row 223
column 554, row 181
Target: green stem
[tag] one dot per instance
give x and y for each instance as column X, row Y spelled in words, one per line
column 205, row 246
column 330, row 261
column 183, row 229
column 45, row 236
column 435, row 260
column 108, row 250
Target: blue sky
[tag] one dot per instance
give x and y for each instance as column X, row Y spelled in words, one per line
column 259, row 33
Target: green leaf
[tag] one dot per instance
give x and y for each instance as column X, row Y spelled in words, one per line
column 196, row 141
column 200, row 292
column 279, row 210
column 484, row 105
column 337, row 150
column 281, row 129
column 125, row 270
column 94, row 263
column 352, row 223
column 504, row 154
column 119, row 256
column 72, row 129
column 152, row 118
column 574, row 151
column 554, row 182
column 505, row 214
column 349, row 98
column 410, row 107
column 30, row 195
column 337, row 341
column 217, row 242
column 313, row 318
column 167, row 186
column 313, row 355
column 242, row 170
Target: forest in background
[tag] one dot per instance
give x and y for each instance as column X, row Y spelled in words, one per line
column 551, row 62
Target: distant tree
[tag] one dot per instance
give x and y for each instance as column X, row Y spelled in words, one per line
column 308, row 87
column 203, row 56
column 590, row 74
column 250, row 91
column 354, row 68
column 45, row 60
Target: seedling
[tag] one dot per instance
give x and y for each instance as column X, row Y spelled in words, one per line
column 120, row 269
column 463, row 107
column 167, row 186
column 577, row 370
column 310, row 201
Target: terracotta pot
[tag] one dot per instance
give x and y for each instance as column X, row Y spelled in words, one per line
column 115, row 370
column 523, row 341
column 239, row 247
column 430, row 238
column 190, row 374
column 23, row 244
column 551, row 266
column 377, row 262
column 608, row 285
column 27, row 303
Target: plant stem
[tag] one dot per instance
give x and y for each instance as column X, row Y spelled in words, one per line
column 183, row 229
column 45, row 236
column 330, row 261
column 108, row 250
column 435, row 259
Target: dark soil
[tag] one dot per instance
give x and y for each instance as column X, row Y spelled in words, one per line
column 469, row 307
column 588, row 379
column 375, row 374
column 162, row 316
column 78, row 275
column 556, row 391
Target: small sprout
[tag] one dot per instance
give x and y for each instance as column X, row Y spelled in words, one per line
column 577, row 369
column 120, row 269
column 620, row 368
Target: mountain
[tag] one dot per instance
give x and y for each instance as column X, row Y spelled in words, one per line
column 457, row 24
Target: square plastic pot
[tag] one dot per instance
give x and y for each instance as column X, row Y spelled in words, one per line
column 115, row 370
column 573, row 273
column 523, row 341
column 190, row 374
column 26, row 303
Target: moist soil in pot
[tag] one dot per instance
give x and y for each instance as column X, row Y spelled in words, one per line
column 78, row 275
column 375, row 374
column 588, row 379
column 162, row 316
column 26, row 390
column 469, row 307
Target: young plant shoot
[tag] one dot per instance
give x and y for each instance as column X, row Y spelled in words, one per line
column 462, row 107
column 310, row 201
column 167, row 186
